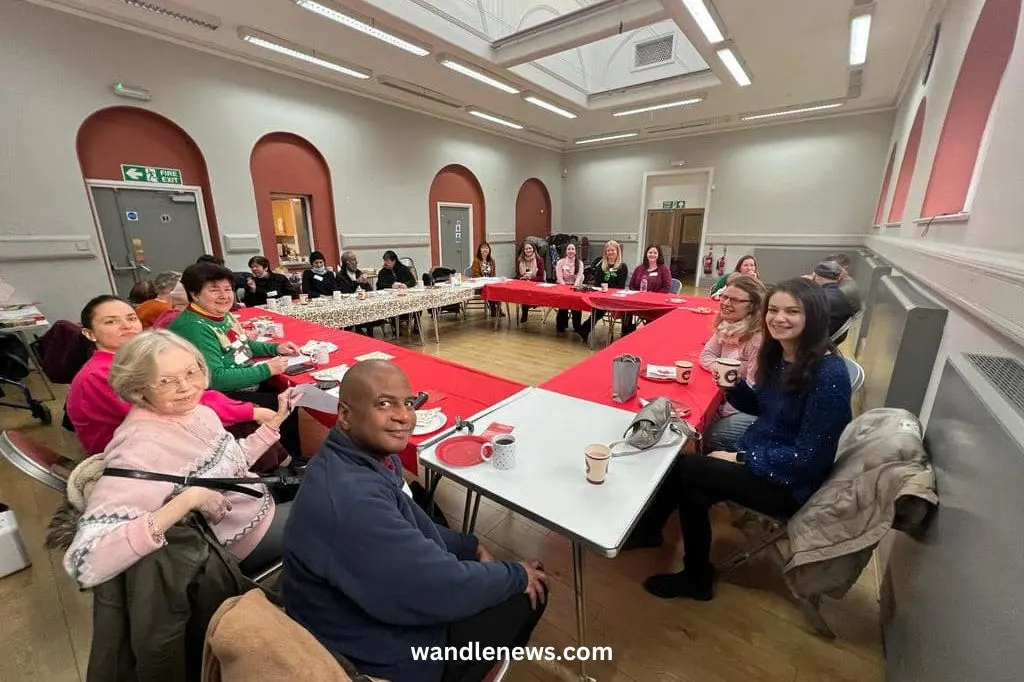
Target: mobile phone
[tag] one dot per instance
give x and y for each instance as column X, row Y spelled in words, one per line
column 300, row 369
column 327, row 385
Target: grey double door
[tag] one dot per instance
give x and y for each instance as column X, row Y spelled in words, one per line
column 146, row 231
column 455, row 237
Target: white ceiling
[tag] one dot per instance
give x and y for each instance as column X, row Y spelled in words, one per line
column 576, row 54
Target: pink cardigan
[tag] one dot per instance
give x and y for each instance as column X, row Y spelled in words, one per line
column 569, row 272
column 96, row 411
column 114, row 532
column 721, row 346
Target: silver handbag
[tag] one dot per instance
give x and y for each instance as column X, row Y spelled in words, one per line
column 625, row 377
column 649, row 426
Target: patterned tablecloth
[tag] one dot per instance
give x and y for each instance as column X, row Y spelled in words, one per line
column 378, row 305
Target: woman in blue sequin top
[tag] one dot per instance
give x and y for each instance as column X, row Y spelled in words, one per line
column 801, row 397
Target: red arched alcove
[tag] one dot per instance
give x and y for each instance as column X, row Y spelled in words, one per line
column 533, row 211
column 880, row 209
column 283, row 163
column 976, row 85
column 129, row 135
column 899, row 197
column 455, row 184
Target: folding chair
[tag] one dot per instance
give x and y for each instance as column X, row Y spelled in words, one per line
column 677, row 286
column 840, row 334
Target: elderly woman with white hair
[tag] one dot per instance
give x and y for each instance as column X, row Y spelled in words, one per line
column 169, row 432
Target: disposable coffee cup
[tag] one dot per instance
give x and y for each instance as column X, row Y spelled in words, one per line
column 361, row 294
column 728, row 372
column 336, row 295
column 303, row 298
column 604, row 286
column 271, row 304
column 684, row 368
column 597, row 458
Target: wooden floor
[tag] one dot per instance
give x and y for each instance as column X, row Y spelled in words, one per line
column 751, row 631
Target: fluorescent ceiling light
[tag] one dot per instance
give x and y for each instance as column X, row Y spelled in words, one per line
column 282, row 48
column 860, row 31
column 494, row 119
column 537, row 101
column 607, row 138
column 168, row 9
column 477, row 74
column 656, row 107
column 701, row 14
column 790, row 112
column 352, row 22
column 739, row 74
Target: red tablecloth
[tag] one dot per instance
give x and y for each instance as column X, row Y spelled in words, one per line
column 458, row 390
column 679, row 335
column 563, row 296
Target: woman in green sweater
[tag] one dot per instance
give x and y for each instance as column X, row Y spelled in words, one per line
column 232, row 358
column 747, row 265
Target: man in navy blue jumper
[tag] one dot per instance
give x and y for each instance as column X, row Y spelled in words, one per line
column 370, row 575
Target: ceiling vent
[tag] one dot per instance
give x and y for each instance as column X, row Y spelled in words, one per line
column 172, row 11
column 419, row 91
column 653, row 52
column 689, row 125
column 855, row 83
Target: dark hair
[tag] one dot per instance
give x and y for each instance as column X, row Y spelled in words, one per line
column 741, row 261
column 89, row 311
column 259, row 260
column 490, row 252
column 141, row 292
column 661, row 258
column 840, row 258
column 315, row 256
column 208, row 258
column 199, row 275
column 390, row 255
column 814, row 340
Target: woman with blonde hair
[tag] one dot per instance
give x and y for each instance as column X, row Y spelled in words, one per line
column 737, row 336
column 169, row 432
column 610, row 270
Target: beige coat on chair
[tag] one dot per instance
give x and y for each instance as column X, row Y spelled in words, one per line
column 881, row 480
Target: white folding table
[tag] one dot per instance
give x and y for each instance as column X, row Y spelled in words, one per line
column 549, row 485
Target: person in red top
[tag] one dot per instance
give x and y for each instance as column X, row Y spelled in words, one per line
column 529, row 266
column 651, row 275
column 93, row 407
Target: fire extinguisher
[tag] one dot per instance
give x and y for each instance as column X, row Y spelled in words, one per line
column 721, row 265
column 709, row 261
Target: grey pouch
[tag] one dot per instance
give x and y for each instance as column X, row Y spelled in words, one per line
column 625, row 377
column 649, row 426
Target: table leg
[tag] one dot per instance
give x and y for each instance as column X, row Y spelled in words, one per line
column 433, row 480
column 581, row 605
column 437, row 319
column 419, row 323
column 466, row 510
column 472, row 517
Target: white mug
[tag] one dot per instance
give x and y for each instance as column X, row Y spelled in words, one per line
column 502, row 449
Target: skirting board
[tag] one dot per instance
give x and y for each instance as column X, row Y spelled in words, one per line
column 50, row 247
column 981, row 282
column 377, row 240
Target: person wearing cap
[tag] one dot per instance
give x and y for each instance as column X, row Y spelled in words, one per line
column 840, row 308
column 318, row 281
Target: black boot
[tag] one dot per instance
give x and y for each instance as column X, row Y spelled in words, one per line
column 691, row 583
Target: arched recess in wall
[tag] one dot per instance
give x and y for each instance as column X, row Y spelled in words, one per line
column 455, row 184
column 899, row 197
column 130, row 135
column 880, row 209
column 533, row 210
column 969, row 107
column 287, row 169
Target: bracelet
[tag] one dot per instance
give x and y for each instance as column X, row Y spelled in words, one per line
column 157, row 534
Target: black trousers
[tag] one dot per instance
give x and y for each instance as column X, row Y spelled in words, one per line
column 271, row 547
column 588, row 326
column 265, row 396
column 562, row 319
column 509, row 624
column 697, row 482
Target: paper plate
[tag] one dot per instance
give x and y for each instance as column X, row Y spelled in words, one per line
column 461, row 451
column 436, row 423
column 308, row 348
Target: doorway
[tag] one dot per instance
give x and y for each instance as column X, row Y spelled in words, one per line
column 147, row 231
column 678, row 234
column 293, row 230
column 455, row 236
column 675, row 207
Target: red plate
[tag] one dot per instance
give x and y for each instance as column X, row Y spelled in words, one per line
column 462, row 451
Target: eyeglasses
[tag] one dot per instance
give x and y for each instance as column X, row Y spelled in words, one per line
column 729, row 299
column 168, row 384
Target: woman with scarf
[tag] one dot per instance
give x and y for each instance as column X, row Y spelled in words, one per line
column 318, row 281
column 529, row 266
column 737, row 336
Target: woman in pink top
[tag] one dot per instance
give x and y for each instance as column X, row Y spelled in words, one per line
column 168, row 431
column 569, row 270
column 94, row 408
column 651, row 275
column 737, row 336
